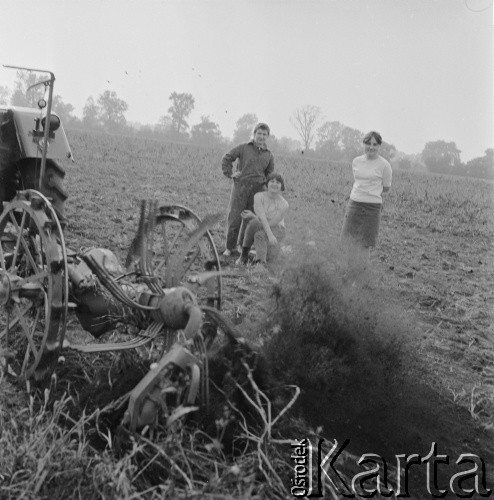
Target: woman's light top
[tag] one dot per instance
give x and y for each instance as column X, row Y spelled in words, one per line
column 370, row 178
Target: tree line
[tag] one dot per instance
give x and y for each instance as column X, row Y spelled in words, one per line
column 106, row 113
column 335, row 141
column 329, row 140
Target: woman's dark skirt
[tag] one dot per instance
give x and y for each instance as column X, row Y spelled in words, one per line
column 362, row 223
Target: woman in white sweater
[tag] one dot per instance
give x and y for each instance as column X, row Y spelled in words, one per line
column 372, row 177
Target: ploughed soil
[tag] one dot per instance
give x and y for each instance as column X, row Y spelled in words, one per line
column 445, row 391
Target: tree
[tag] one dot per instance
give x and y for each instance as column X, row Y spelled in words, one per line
column 482, row 166
column 351, row 140
column 182, row 106
column 305, row 120
column 4, row 95
column 404, row 163
column 90, row 114
column 111, row 111
column 330, row 140
column 21, row 96
column 244, row 127
column 283, row 145
column 288, row 144
column 145, row 131
column 64, row 111
column 387, row 150
column 164, row 124
column 206, row 132
column 441, row 156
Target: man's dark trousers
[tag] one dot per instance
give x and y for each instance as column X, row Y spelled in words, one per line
column 242, row 198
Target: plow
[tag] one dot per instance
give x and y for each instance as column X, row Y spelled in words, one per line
column 170, row 285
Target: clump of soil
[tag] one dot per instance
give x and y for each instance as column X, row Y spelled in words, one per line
column 360, row 376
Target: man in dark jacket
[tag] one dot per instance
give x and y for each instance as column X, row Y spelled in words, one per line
column 255, row 163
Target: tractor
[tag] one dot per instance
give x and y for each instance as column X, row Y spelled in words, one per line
column 169, row 284
column 30, row 143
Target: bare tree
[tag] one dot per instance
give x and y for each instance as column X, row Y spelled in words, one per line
column 305, row 120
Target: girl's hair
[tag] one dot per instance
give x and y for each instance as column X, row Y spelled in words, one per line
column 262, row 126
column 278, row 177
column 377, row 136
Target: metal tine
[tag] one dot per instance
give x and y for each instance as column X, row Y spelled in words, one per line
column 120, row 294
column 224, row 323
column 105, row 278
column 141, row 339
column 201, row 278
column 143, row 232
column 112, row 286
column 135, row 249
column 145, row 263
column 139, row 248
column 174, row 271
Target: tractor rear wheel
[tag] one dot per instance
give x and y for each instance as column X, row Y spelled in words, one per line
column 33, row 286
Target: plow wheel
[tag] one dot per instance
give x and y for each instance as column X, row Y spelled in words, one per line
column 33, row 286
column 175, row 263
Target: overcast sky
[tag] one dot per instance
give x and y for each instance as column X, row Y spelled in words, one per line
column 416, row 70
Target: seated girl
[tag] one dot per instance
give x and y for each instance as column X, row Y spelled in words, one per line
column 265, row 226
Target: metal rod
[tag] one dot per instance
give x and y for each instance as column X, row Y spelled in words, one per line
column 44, row 149
column 47, row 131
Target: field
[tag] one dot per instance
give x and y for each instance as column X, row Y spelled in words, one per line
column 429, row 369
